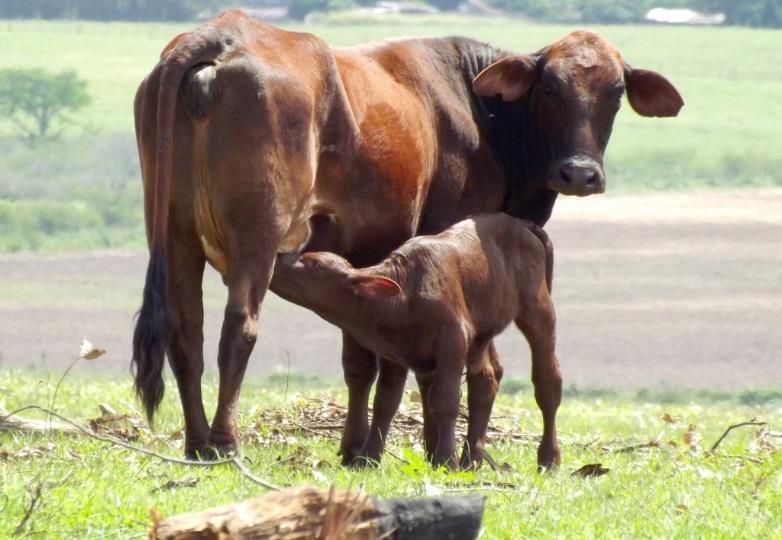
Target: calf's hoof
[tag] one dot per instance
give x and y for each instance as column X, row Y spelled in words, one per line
column 472, row 458
column 358, row 459
column 548, row 457
column 447, row 461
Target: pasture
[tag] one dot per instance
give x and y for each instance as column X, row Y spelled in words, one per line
column 668, row 315
column 662, row 482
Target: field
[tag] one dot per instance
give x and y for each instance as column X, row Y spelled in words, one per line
column 726, row 136
column 662, row 481
column 667, row 293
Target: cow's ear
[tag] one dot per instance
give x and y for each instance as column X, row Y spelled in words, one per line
column 509, row 77
column 373, row 287
column 651, row 94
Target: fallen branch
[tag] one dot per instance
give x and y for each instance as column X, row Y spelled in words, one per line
column 312, row 513
column 32, row 426
column 734, row 426
column 235, row 461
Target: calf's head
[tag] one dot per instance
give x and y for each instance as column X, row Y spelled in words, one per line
column 572, row 91
column 327, row 283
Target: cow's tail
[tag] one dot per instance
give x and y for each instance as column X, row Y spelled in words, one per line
column 151, row 336
column 549, row 248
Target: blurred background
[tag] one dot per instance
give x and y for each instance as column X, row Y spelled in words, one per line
column 671, row 280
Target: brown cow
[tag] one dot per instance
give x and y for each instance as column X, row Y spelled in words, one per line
column 434, row 306
column 254, row 140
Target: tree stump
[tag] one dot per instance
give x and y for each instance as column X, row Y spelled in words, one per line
column 308, row 513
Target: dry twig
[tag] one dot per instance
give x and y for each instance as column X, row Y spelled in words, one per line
column 235, row 461
column 752, row 422
column 34, row 500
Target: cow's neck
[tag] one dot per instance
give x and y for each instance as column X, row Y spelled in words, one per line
column 509, row 128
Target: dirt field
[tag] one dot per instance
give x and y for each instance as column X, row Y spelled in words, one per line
column 681, row 290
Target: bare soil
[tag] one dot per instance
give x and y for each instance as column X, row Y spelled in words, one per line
column 681, row 290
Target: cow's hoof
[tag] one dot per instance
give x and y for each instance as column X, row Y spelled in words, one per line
column 220, row 446
column 195, row 452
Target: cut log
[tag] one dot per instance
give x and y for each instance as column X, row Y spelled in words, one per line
column 18, row 423
column 308, row 513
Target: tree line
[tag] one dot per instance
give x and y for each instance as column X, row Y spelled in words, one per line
column 763, row 13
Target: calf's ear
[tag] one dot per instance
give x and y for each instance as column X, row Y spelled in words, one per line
column 651, row 94
column 374, row 286
column 509, row 77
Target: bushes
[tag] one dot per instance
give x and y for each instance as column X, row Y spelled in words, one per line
column 68, row 195
column 766, row 13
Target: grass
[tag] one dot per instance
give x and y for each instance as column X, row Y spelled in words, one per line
column 726, row 137
column 671, row 491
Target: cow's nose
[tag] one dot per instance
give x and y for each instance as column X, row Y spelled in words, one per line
column 578, row 176
column 579, row 179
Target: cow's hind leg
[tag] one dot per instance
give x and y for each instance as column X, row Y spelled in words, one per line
column 248, row 280
column 185, row 349
column 483, row 380
column 539, row 327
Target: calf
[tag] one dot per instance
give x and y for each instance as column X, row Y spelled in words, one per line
column 434, row 306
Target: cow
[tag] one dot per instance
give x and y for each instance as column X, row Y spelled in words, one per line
column 255, row 141
column 433, row 306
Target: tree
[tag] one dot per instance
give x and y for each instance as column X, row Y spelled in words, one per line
column 34, row 99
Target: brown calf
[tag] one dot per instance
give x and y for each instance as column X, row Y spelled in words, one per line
column 434, row 306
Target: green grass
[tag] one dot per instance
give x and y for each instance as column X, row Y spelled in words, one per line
column 667, row 492
column 727, row 135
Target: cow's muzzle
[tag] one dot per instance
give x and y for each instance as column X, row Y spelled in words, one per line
column 578, row 176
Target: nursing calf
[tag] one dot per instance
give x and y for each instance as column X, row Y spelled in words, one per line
column 434, row 306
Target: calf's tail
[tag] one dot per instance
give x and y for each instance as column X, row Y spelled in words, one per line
column 549, row 248
column 158, row 104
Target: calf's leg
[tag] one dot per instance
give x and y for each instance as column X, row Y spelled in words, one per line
column 483, row 381
column 360, row 369
column 388, row 395
column 442, row 399
column 425, row 381
column 539, row 327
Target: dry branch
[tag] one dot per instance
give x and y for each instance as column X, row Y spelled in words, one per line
column 235, row 461
column 304, row 513
column 752, row 422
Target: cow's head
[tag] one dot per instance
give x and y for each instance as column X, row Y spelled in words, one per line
column 574, row 89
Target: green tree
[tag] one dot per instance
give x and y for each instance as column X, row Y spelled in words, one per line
column 34, row 100
column 766, row 13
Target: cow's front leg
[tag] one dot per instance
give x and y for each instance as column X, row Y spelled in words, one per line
column 388, row 395
column 360, row 369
